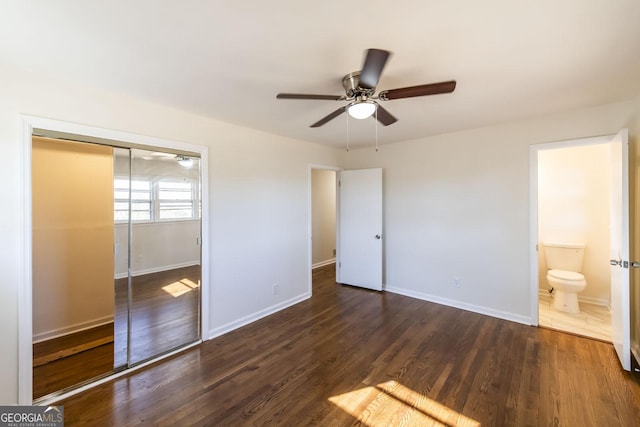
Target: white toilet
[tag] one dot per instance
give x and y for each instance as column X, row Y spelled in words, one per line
column 564, row 261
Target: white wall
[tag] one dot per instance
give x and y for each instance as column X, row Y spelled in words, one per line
column 150, row 250
column 457, row 206
column 573, row 207
column 258, row 193
column 72, row 245
column 323, row 207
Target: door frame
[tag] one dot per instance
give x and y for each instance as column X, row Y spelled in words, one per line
column 27, row 125
column 310, row 169
column 533, row 208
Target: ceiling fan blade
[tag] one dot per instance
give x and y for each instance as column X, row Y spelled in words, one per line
column 384, row 116
column 421, row 90
column 329, row 117
column 309, row 96
column 372, row 68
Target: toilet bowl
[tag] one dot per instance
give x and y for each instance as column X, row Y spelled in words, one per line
column 566, row 285
column 564, row 261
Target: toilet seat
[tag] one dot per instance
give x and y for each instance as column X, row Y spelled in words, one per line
column 562, row 279
column 568, row 276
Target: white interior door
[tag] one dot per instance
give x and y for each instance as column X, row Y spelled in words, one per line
column 619, row 248
column 360, row 228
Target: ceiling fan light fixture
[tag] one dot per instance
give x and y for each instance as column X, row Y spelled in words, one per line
column 185, row 161
column 362, row 109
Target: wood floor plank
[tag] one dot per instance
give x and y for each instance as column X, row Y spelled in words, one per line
column 61, row 373
column 43, row 360
column 349, row 356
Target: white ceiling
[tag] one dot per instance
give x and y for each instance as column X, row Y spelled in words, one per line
column 227, row 60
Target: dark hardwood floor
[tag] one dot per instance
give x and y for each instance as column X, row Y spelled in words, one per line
column 349, row 356
column 165, row 315
column 71, row 359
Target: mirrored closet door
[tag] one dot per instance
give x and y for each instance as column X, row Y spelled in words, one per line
column 161, row 229
column 72, row 241
column 116, row 259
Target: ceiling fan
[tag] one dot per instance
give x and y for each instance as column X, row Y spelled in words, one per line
column 360, row 88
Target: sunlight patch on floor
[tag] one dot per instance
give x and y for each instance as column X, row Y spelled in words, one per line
column 180, row 287
column 391, row 404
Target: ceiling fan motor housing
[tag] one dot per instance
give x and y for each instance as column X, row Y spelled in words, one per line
column 351, row 84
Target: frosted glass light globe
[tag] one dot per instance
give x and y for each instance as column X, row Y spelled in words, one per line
column 362, row 110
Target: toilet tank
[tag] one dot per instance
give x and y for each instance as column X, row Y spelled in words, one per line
column 564, row 256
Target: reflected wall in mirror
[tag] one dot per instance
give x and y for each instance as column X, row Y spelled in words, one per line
column 73, row 296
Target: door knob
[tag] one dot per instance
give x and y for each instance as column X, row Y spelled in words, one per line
column 378, row 236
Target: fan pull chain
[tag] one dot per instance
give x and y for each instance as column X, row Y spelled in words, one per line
column 347, row 133
column 376, row 124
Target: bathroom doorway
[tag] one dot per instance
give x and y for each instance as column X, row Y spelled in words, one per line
column 573, row 199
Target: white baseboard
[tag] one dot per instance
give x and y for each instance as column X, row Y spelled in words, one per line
column 71, row 329
column 596, row 301
column 526, row 320
column 157, row 269
column 587, row 300
column 221, row 330
column 323, row 263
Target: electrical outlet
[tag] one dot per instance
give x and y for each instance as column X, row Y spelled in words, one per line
column 456, row 282
column 276, row 289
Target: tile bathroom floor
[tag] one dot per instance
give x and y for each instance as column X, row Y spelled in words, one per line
column 593, row 321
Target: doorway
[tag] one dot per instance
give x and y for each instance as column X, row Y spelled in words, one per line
column 356, row 204
column 150, row 279
column 574, row 194
column 323, row 221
